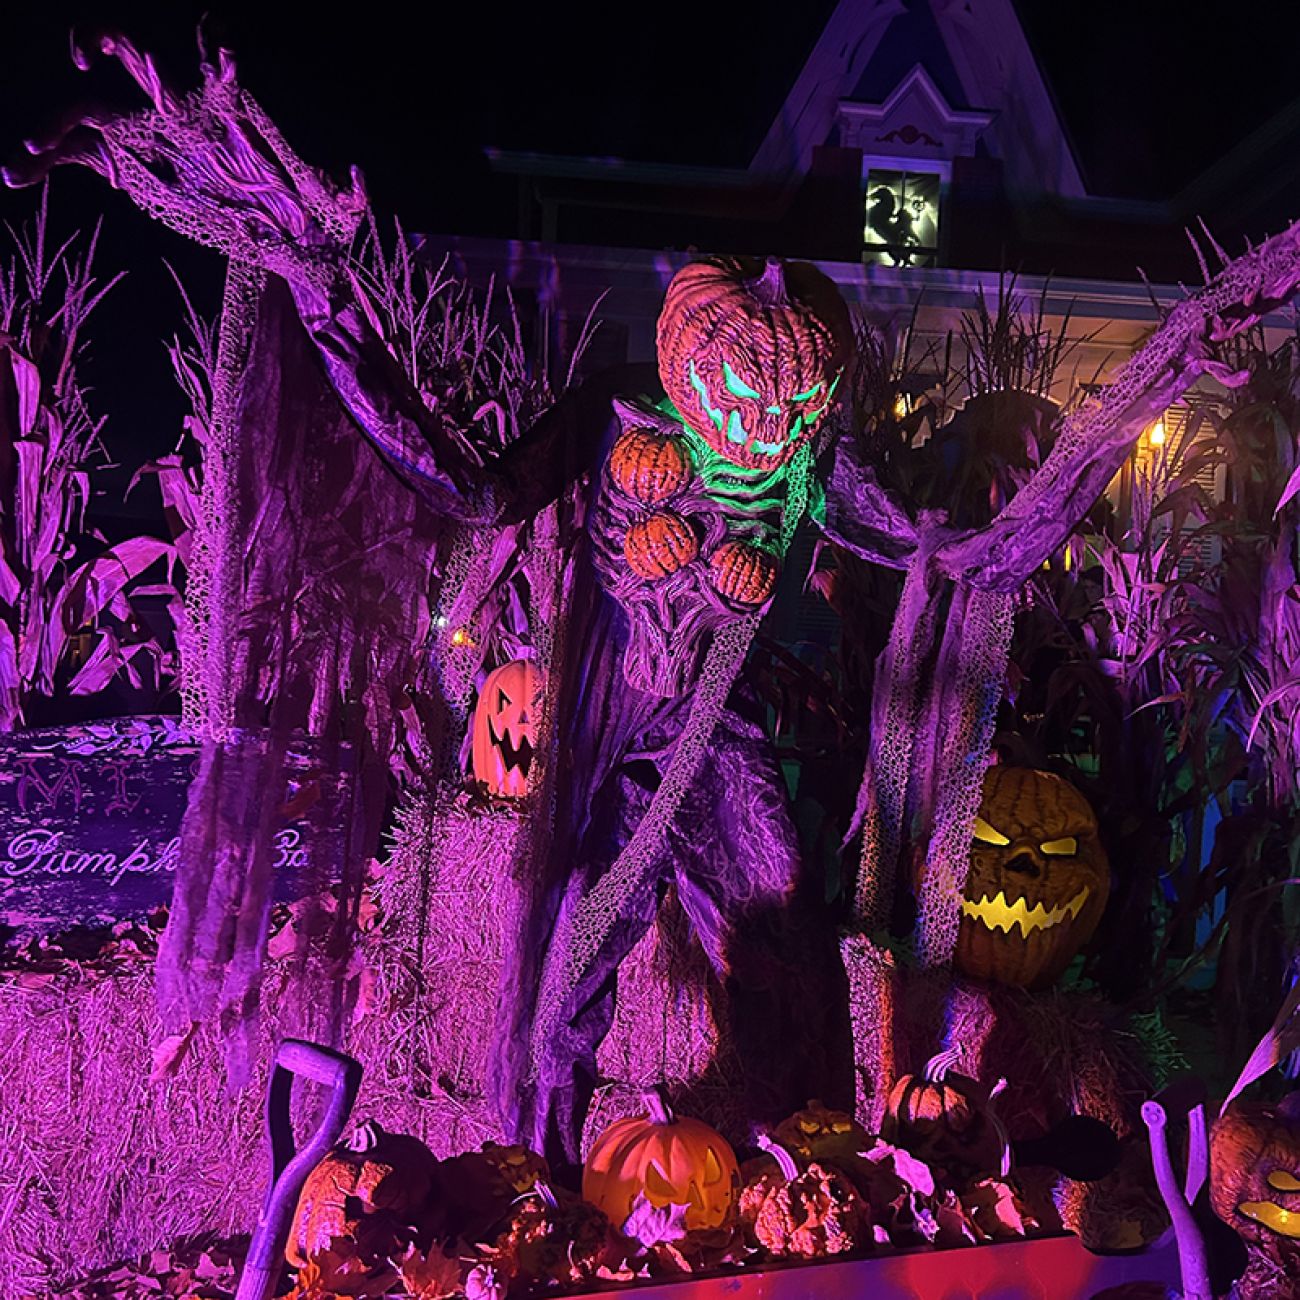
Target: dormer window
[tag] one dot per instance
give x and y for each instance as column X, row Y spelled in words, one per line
column 901, row 211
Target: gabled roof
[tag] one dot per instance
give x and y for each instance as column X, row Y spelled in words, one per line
column 973, row 53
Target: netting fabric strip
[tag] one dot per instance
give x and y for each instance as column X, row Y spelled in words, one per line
column 581, row 933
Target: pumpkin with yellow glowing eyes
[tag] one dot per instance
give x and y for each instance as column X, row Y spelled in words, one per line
column 750, row 354
column 669, row 1161
column 505, row 728
column 1255, row 1173
column 1038, row 880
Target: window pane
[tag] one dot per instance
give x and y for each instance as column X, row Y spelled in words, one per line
column 902, row 218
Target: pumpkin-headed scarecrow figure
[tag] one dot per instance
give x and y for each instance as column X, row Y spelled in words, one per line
column 679, row 500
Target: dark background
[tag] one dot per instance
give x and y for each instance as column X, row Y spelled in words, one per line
column 1151, row 91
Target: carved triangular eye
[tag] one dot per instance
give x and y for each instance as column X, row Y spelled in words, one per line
column 503, row 701
column 712, row 1168
column 658, row 1187
column 1062, row 848
column 987, row 835
column 1281, row 1181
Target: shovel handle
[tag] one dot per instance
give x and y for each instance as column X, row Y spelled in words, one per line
column 289, row 1166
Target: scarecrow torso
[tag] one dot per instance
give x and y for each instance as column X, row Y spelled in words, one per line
column 685, row 541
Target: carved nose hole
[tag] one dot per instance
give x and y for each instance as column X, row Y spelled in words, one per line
column 1023, row 865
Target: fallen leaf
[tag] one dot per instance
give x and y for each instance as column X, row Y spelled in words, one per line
column 168, row 1053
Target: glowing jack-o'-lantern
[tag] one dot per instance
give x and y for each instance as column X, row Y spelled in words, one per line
column 669, row 1161
column 1038, row 880
column 505, row 728
column 750, row 354
column 1255, row 1172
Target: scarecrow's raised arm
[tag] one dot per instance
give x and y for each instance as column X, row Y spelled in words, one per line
column 211, row 165
column 1095, row 439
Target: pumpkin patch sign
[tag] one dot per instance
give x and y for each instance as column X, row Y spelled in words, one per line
column 90, row 821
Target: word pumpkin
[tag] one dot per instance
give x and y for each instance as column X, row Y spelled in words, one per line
column 1038, row 880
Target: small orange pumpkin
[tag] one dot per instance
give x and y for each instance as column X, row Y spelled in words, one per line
column 808, row 1214
column 649, row 466
column 659, row 544
column 743, row 573
column 667, row 1160
column 505, row 728
column 947, row 1119
column 369, row 1192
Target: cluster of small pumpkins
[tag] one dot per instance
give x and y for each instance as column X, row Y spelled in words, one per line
column 661, row 1196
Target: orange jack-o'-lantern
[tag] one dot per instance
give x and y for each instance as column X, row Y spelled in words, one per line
column 505, row 728
column 750, row 354
column 368, row 1194
column 1038, row 880
column 1255, row 1172
column 669, row 1161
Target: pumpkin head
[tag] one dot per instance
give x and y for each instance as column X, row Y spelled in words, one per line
column 370, row 1192
column 743, row 573
column 505, row 728
column 1255, row 1172
column 816, row 1133
column 806, row 1214
column 649, row 466
column 659, row 544
column 669, row 1161
column 750, row 354
column 947, row 1119
column 1038, row 880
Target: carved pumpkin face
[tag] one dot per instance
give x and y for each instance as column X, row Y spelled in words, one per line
column 751, row 353
column 1255, row 1172
column 1038, row 880
column 505, row 728
column 667, row 1160
column 368, row 1193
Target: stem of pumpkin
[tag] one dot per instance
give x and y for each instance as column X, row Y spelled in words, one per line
column 785, row 1161
column 656, row 1104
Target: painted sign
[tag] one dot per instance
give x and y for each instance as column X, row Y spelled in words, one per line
column 90, row 820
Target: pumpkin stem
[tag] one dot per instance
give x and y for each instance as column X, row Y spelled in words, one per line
column 937, row 1067
column 656, row 1104
column 365, row 1137
column 785, row 1161
column 769, row 287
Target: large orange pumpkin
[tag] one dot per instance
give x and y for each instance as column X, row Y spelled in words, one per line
column 368, row 1194
column 669, row 1161
column 750, row 353
column 1038, row 881
column 505, row 728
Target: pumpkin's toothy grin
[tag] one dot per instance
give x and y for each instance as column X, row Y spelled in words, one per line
column 997, row 914
column 1284, row 1222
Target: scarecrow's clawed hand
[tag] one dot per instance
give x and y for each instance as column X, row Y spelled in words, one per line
column 208, row 163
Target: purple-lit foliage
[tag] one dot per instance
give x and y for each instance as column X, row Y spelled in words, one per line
column 68, row 617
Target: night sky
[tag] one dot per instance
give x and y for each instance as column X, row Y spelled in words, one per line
column 1152, row 92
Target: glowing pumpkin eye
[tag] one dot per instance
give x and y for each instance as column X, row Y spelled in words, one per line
column 987, row 835
column 712, row 1168
column 735, row 385
column 803, row 397
column 1282, row 1181
column 503, row 701
column 1065, row 848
